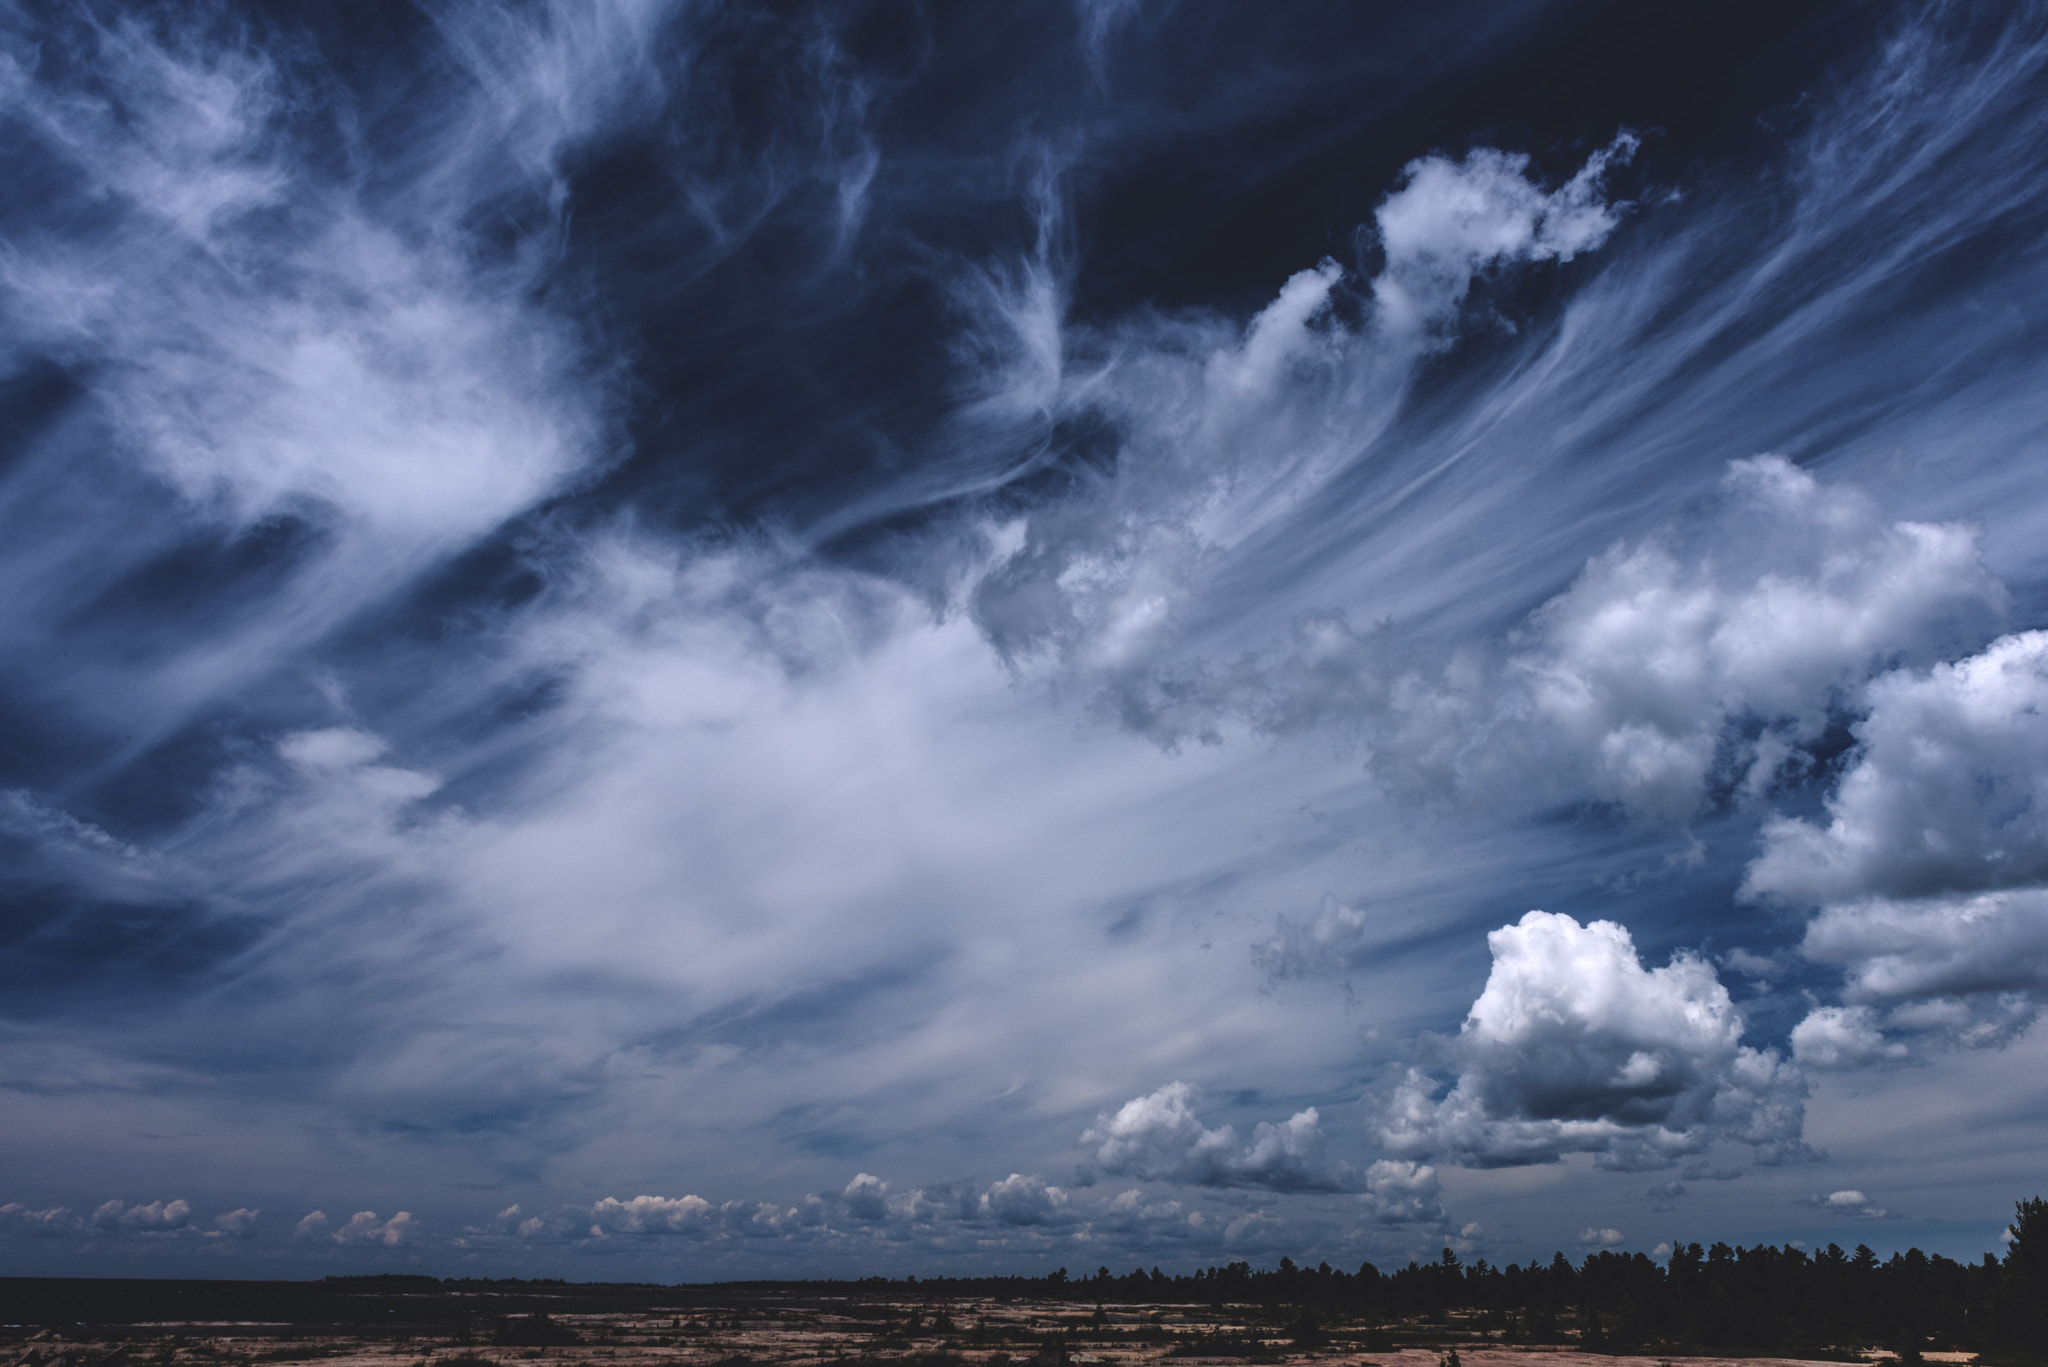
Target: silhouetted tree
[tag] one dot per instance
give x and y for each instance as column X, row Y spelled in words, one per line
column 2018, row 1327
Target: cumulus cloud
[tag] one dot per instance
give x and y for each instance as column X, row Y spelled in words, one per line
column 1697, row 659
column 866, row 1197
column 1832, row 1037
column 1024, row 1199
column 1931, row 870
column 689, row 1215
column 365, row 1228
column 938, row 1201
column 1993, row 942
column 150, row 1220
column 1158, row 1136
column 1847, row 1202
column 1574, row 1046
column 692, row 1217
column 155, row 1217
column 1402, row 1192
column 1948, row 792
column 19, row 1218
column 234, row 1224
column 1591, row 1237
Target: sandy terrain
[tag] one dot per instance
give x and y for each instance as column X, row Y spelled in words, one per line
column 816, row 1334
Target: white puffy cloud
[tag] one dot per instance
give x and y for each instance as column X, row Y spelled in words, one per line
column 1991, row 942
column 1841, row 1037
column 365, row 1228
column 1847, row 1202
column 514, row 1223
column 692, row 1215
column 1962, row 969
column 1929, row 871
column 1629, row 686
column 152, row 1220
column 1024, row 1199
column 156, row 1216
column 1591, row 1237
column 1948, row 792
column 1157, row 1136
column 1574, row 1046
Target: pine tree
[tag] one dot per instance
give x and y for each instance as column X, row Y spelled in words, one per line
column 2020, row 1310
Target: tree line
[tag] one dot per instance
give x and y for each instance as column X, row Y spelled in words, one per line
column 1761, row 1299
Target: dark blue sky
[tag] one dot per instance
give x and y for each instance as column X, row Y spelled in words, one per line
column 685, row 641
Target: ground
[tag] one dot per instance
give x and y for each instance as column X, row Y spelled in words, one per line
column 492, row 1327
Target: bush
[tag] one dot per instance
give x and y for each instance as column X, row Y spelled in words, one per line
column 534, row 1331
column 1218, row 1346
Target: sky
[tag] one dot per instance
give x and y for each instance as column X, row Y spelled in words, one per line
column 672, row 641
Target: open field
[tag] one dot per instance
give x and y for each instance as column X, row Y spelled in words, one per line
column 84, row 1324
